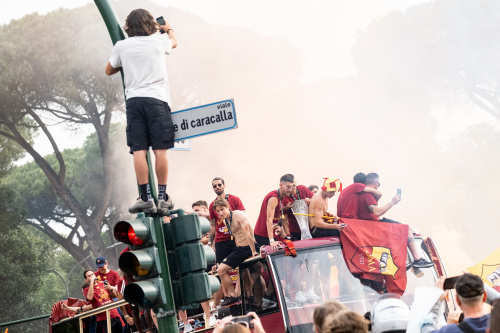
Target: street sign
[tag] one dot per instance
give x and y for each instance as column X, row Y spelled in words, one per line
column 206, row 119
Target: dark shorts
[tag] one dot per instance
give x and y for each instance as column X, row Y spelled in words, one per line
column 261, row 241
column 318, row 232
column 296, row 235
column 149, row 124
column 223, row 249
column 239, row 254
column 116, row 325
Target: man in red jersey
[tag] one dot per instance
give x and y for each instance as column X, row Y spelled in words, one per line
column 218, row 231
column 368, row 209
column 220, row 238
column 97, row 294
column 272, row 214
column 103, row 273
column 347, row 204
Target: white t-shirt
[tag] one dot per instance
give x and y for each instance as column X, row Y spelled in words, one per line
column 144, row 68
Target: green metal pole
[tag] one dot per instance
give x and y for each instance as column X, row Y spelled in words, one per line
column 20, row 321
column 166, row 316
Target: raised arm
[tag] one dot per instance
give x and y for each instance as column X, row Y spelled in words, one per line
column 379, row 211
column 90, row 292
column 171, row 34
column 110, row 70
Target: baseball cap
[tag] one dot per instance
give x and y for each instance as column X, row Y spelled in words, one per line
column 100, row 261
column 469, row 285
column 331, row 185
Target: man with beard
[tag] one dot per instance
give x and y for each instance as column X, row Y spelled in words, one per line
column 100, row 293
column 272, row 214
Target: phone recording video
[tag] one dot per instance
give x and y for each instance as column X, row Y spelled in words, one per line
column 243, row 320
column 450, row 282
column 160, row 20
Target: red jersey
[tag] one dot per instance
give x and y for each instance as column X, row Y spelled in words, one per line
column 302, row 193
column 261, row 225
column 101, row 297
column 221, row 232
column 111, row 276
column 347, row 204
column 365, row 201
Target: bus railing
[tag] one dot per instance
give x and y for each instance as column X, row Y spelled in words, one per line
column 103, row 308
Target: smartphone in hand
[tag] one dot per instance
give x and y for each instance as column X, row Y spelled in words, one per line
column 399, row 191
column 450, row 282
column 160, row 20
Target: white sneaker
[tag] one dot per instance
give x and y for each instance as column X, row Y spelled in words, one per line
column 300, row 298
column 211, row 321
column 310, row 295
column 188, row 328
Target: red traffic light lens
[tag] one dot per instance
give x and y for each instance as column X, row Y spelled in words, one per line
column 132, row 237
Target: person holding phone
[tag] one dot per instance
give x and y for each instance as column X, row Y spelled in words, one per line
column 242, row 324
column 470, row 297
column 369, row 209
column 149, row 123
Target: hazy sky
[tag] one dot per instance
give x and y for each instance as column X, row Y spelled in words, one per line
column 293, row 20
column 324, row 32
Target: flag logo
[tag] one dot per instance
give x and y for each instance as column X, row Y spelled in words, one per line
column 491, row 273
column 375, row 260
column 489, row 269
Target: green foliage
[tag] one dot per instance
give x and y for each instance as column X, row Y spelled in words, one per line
column 25, row 261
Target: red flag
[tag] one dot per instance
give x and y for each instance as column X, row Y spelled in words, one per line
column 376, row 251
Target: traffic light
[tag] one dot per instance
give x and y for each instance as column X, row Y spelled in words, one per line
column 188, row 259
column 143, row 262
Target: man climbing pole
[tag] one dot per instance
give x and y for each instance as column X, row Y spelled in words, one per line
column 142, row 57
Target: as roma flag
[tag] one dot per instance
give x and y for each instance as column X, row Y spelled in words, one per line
column 376, row 251
column 489, row 269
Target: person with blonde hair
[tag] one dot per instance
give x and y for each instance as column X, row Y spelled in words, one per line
column 324, row 310
column 345, row 322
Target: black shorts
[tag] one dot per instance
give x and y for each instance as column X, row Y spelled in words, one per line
column 318, row 232
column 261, row 241
column 149, row 124
column 296, row 235
column 239, row 254
column 116, row 325
column 223, row 249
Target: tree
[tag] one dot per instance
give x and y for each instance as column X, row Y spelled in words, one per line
column 84, row 178
column 441, row 49
column 55, row 79
column 25, row 260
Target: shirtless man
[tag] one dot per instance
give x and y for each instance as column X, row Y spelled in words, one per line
column 241, row 230
column 319, row 206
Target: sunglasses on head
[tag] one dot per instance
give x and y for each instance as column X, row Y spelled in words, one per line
column 217, row 185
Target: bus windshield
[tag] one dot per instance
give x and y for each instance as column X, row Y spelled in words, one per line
column 316, row 275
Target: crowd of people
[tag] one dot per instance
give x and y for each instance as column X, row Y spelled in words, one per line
column 149, row 124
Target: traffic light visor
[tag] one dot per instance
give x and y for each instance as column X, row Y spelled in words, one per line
column 135, row 233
